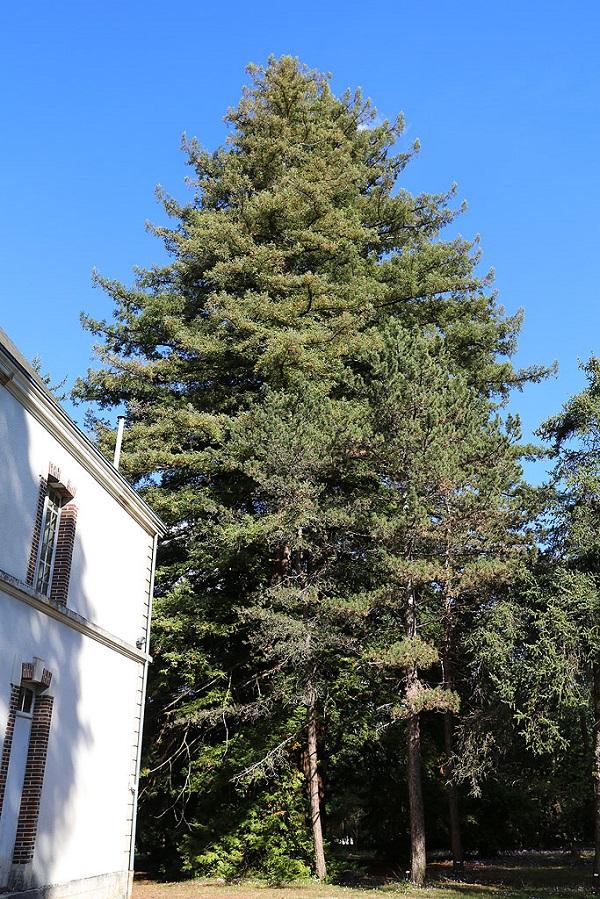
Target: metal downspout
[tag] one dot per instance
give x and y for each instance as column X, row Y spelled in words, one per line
column 141, row 730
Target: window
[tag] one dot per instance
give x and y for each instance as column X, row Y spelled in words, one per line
column 25, row 703
column 49, row 536
column 53, row 539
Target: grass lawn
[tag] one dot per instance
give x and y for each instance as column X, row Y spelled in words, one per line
column 521, row 876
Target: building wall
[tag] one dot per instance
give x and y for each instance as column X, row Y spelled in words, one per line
column 108, row 584
column 84, row 815
column 90, row 772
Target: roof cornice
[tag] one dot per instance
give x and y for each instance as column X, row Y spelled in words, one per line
column 17, row 376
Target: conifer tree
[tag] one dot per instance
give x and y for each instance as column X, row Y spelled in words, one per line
column 298, row 245
column 447, row 529
column 568, row 645
column 296, row 446
column 539, row 644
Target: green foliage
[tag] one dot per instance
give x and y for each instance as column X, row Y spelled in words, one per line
column 56, row 389
column 408, row 651
column 445, row 513
column 537, row 653
column 269, row 838
column 311, row 387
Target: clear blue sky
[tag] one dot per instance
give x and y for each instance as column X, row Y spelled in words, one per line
column 503, row 95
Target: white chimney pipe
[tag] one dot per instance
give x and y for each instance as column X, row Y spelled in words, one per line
column 120, row 430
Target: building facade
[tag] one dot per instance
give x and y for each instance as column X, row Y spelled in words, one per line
column 77, row 555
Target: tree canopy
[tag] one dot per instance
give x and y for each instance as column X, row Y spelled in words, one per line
column 312, row 388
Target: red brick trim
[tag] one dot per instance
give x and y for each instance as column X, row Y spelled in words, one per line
column 8, row 739
column 37, row 531
column 34, row 778
column 65, row 544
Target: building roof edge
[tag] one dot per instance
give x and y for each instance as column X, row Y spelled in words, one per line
column 112, row 479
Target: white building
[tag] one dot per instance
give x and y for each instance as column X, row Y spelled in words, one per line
column 77, row 553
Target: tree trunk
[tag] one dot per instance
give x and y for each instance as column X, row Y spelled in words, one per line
column 313, row 785
column 281, row 564
column 452, row 792
column 596, row 774
column 418, row 861
column 448, row 660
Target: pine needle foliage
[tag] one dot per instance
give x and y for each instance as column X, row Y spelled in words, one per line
column 261, row 428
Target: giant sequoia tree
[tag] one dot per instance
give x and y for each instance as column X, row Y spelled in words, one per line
column 298, row 246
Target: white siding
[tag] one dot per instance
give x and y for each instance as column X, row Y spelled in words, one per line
column 87, row 802
column 87, row 785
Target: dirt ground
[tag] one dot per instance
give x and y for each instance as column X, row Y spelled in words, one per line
column 146, row 889
column 522, row 875
column 214, row 889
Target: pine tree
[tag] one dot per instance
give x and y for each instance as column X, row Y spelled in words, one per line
column 448, row 531
column 574, row 547
column 539, row 643
column 296, row 446
column 297, row 247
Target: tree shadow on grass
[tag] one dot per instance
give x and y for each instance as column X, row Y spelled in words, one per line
column 520, row 870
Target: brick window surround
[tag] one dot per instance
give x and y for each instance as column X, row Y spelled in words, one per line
column 8, row 739
column 34, row 778
column 37, row 752
column 65, row 539
column 63, row 555
column 37, row 530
